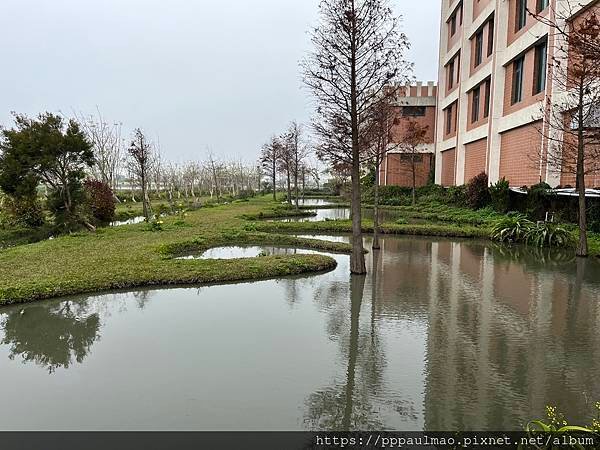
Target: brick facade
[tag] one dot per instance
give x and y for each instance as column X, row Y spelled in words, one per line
column 489, row 118
column 399, row 169
column 475, row 158
column 520, row 155
column 448, row 165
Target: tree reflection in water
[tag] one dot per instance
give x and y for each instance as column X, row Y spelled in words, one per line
column 361, row 400
column 51, row 336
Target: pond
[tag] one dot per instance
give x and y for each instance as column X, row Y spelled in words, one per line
column 343, row 213
column 440, row 335
column 231, row 252
column 132, row 221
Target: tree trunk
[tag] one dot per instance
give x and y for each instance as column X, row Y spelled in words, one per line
column 357, row 260
column 289, row 187
column 376, row 245
column 414, row 181
column 296, row 188
column 582, row 247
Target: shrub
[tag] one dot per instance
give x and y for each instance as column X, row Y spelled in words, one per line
column 65, row 220
column 100, row 200
column 23, row 211
column 500, row 196
column 538, row 197
column 478, row 195
column 456, row 195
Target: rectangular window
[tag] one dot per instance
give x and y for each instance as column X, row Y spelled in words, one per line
column 541, row 5
column 475, row 100
column 478, row 48
column 449, row 119
column 517, row 81
column 521, row 18
column 453, row 25
column 490, row 42
column 540, row 68
column 487, row 98
column 451, row 75
column 413, row 111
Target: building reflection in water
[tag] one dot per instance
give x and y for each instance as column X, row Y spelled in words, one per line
column 505, row 333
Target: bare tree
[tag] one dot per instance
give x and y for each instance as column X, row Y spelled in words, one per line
column 215, row 168
column 269, row 159
column 297, row 152
column 376, row 137
column 571, row 124
column 358, row 52
column 106, row 144
column 411, row 142
column 141, row 160
column 286, row 164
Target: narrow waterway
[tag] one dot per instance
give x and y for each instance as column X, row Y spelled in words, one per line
column 440, row 335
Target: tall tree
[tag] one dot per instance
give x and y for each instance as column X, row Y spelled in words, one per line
column 358, row 52
column 141, row 161
column 286, row 164
column 413, row 137
column 106, row 143
column 376, row 139
column 269, row 158
column 571, row 118
column 297, row 152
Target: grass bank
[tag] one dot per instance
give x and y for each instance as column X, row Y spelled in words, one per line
column 132, row 256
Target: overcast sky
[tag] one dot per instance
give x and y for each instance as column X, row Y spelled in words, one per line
column 195, row 73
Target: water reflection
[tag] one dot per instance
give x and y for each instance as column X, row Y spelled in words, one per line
column 51, row 337
column 440, row 335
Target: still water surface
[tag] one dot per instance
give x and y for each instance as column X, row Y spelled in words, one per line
column 440, row 335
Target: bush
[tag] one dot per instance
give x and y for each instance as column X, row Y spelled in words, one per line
column 500, row 196
column 100, row 200
column 478, row 195
column 538, row 199
column 64, row 220
column 456, row 195
column 23, row 211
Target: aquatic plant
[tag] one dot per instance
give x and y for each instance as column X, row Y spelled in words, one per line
column 517, row 227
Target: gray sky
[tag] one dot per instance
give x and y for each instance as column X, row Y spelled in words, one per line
column 196, row 73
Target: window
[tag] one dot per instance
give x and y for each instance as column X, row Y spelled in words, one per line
column 540, row 68
column 490, row 42
column 453, row 25
column 413, row 111
column 517, row 81
column 475, row 100
column 478, row 48
column 521, row 18
column 487, row 98
column 451, row 75
column 449, row 119
column 541, row 5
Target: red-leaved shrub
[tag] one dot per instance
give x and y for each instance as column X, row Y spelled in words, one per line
column 101, row 200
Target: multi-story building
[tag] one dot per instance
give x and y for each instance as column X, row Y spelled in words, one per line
column 415, row 103
column 494, row 77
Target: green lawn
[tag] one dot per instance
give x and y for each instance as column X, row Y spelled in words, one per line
column 128, row 256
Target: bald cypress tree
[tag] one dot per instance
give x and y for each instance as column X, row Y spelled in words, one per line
column 358, row 53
